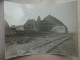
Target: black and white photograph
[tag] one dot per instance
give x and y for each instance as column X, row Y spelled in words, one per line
column 40, row 29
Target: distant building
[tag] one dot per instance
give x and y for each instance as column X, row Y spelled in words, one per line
column 50, row 23
column 59, row 29
column 47, row 24
column 9, row 30
column 38, row 23
column 6, row 24
column 30, row 25
column 20, row 28
column 13, row 26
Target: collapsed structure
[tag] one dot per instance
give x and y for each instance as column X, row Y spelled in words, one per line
column 49, row 23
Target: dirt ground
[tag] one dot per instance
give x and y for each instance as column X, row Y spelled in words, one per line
column 45, row 44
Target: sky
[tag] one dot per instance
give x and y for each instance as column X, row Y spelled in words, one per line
column 18, row 14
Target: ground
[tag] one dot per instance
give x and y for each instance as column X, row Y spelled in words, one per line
column 50, row 43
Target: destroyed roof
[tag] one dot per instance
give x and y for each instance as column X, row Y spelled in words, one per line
column 31, row 21
column 53, row 20
column 6, row 24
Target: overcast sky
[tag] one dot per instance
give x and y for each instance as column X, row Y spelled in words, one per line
column 18, row 14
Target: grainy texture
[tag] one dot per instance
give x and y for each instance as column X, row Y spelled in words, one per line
column 79, row 28
column 48, row 56
column 61, row 44
column 40, row 1
column 1, row 31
